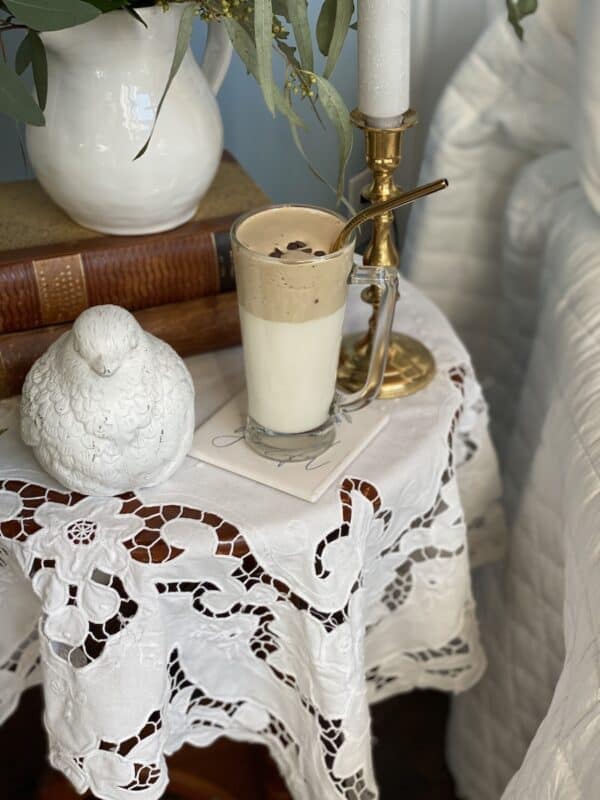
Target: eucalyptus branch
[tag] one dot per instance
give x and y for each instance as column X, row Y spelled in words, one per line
column 300, row 82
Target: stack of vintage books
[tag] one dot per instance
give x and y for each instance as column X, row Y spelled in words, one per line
column 179, row 284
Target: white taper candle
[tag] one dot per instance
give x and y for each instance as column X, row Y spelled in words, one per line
column 383, row 60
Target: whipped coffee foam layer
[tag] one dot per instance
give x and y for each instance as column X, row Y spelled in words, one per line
column 292, row 286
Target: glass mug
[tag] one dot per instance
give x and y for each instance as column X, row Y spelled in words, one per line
column 292, row 297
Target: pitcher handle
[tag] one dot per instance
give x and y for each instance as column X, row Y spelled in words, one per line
column 217, row 55
column 387, row 280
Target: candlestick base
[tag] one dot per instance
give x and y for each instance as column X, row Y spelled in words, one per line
column 410, row 365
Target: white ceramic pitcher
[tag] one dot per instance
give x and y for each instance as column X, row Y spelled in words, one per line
column 105, row 79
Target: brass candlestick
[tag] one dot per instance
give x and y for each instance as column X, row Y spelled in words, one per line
column 410, row 365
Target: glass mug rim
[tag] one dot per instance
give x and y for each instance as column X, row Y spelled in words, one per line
column 310, row 257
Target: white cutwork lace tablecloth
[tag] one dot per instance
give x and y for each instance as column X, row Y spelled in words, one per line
column 213, row 606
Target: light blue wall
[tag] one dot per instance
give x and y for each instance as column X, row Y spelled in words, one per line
column 262, row 144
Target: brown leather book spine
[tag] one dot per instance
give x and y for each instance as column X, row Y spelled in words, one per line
column 194, row 326
column 50, row 285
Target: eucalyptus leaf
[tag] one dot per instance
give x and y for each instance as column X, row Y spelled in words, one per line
column 517, row 10
column 336, row 110
column 52, row 15
column 39, row 64
column 23, row 56
column 246, row 50
column 280, row 8
column 107, row 5
column 325, row 25
column 344, row 9
column 263, row 37
column 298, row 11
column 136, row 15
column 184, row 34
column 15, row 99
column 119, row 5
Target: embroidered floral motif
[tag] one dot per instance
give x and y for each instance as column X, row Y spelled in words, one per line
column 83, row 531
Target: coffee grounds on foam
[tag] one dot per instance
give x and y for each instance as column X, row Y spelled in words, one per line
column 296, row 245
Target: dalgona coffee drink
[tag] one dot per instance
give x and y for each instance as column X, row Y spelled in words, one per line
column 292, row 296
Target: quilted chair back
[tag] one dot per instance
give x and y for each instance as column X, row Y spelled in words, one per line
column 476, row 249
column 512, row 254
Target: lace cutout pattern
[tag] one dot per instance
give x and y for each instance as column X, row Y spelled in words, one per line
column 214, row 631
column 145, row 775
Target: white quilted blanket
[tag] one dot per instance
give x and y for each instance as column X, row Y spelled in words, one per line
column 512, row 254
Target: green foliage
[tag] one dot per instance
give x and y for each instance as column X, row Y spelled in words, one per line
column 325, row 24
column 184, row 34
column 246, row 50
column 259, row 31
column 23, row 56
column 332, row 28
column 107, row 5
column 51, row 15
column 39, row 65
column 517, row 10
column 343, row 17
column 298, row 17
column 15, row 99
column 290, row 37
column 336, row 110
column 263, row 38
column 32, row 52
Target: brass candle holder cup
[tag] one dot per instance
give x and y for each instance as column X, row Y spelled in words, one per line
column 410, row 365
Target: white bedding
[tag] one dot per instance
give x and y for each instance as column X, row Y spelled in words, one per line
column 512, row 255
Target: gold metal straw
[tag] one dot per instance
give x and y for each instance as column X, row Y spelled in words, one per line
column 381, row 208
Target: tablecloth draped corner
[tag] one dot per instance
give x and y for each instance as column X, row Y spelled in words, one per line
column 183, row 613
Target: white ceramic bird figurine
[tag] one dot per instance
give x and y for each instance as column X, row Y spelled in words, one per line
column 108, row 407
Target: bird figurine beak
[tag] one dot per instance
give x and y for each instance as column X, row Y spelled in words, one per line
column 105, row 368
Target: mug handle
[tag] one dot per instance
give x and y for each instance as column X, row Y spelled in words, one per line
column 387, row 280
column 217, row 56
